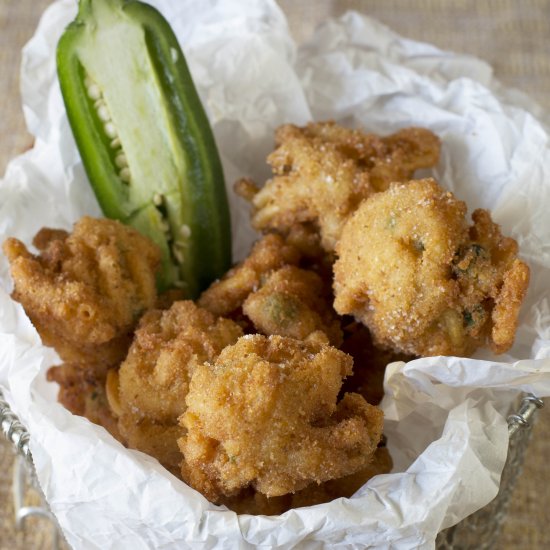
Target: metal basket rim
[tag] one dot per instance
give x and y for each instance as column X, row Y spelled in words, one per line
column 16, row 432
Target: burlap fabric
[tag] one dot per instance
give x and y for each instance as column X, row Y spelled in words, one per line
column 513, row 36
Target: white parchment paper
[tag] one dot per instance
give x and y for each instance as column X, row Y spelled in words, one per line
column 445, row 417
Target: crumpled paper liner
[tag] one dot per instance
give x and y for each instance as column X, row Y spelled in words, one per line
column 445, row 416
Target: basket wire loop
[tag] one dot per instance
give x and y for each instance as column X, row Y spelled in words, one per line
column 480, row 530
column 477, row 531
column 23, row 479
column 24, row 474
column 13, row 429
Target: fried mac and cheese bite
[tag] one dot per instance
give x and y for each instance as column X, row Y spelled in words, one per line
column 268, row 293
column 265, row 415
column 86, row 290
column 293, row 302
column 323, row 171
column 424, row 283
column 148, row 392
column 226, row 296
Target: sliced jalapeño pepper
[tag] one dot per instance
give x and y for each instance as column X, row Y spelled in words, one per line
column 144, row 137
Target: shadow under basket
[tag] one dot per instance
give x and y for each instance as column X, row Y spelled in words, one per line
column 478, row 531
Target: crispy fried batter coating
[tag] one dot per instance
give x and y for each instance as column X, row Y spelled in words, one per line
column 267, row 293
column 346, row 486
column 393, row 267
column 492, row 281
column 266, row 415
column 249, row 501
column 82, row 392
column 226, row 296
column 421, row 280
column 86, row 291
column 148, row 392
column 323, row 171
column 293, row 302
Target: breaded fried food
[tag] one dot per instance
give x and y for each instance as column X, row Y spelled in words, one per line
column 82, row 392
column 82, row 387
column 423, row 282
column 265, row 415
column 226, row 296
column 323, row 171
column 148, row 392
column 250, row 501
column 293, row 302
column 86, row 290
column 268, row 293
column 344, row 487
column 492, row 281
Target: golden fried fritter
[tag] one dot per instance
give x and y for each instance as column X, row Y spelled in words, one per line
column 86, row 291
column 82, row 392
column 265, row 415
column 293, row 302
column 323, row 171
column 492, row 281
column 267, row 293
column 168, row 345
column 422, row 281
column 226, row 296
column 250, row 501
column 148, row 392
column 390, row 159
column 346, row 486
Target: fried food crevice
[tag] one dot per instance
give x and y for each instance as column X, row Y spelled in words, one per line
column 265, row 415
column 369, row 363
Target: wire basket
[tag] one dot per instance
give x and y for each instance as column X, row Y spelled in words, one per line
column 478, row 531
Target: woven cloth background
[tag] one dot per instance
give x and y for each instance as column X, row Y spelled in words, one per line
column 513, row 36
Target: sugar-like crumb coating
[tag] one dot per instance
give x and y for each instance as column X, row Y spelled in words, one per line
column 265, row 415
column 323, row 171
column 424, row 283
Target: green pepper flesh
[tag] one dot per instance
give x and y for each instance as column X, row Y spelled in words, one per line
column 144, row 137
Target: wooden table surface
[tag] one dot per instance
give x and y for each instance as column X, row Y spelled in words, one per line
column 513, row 36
